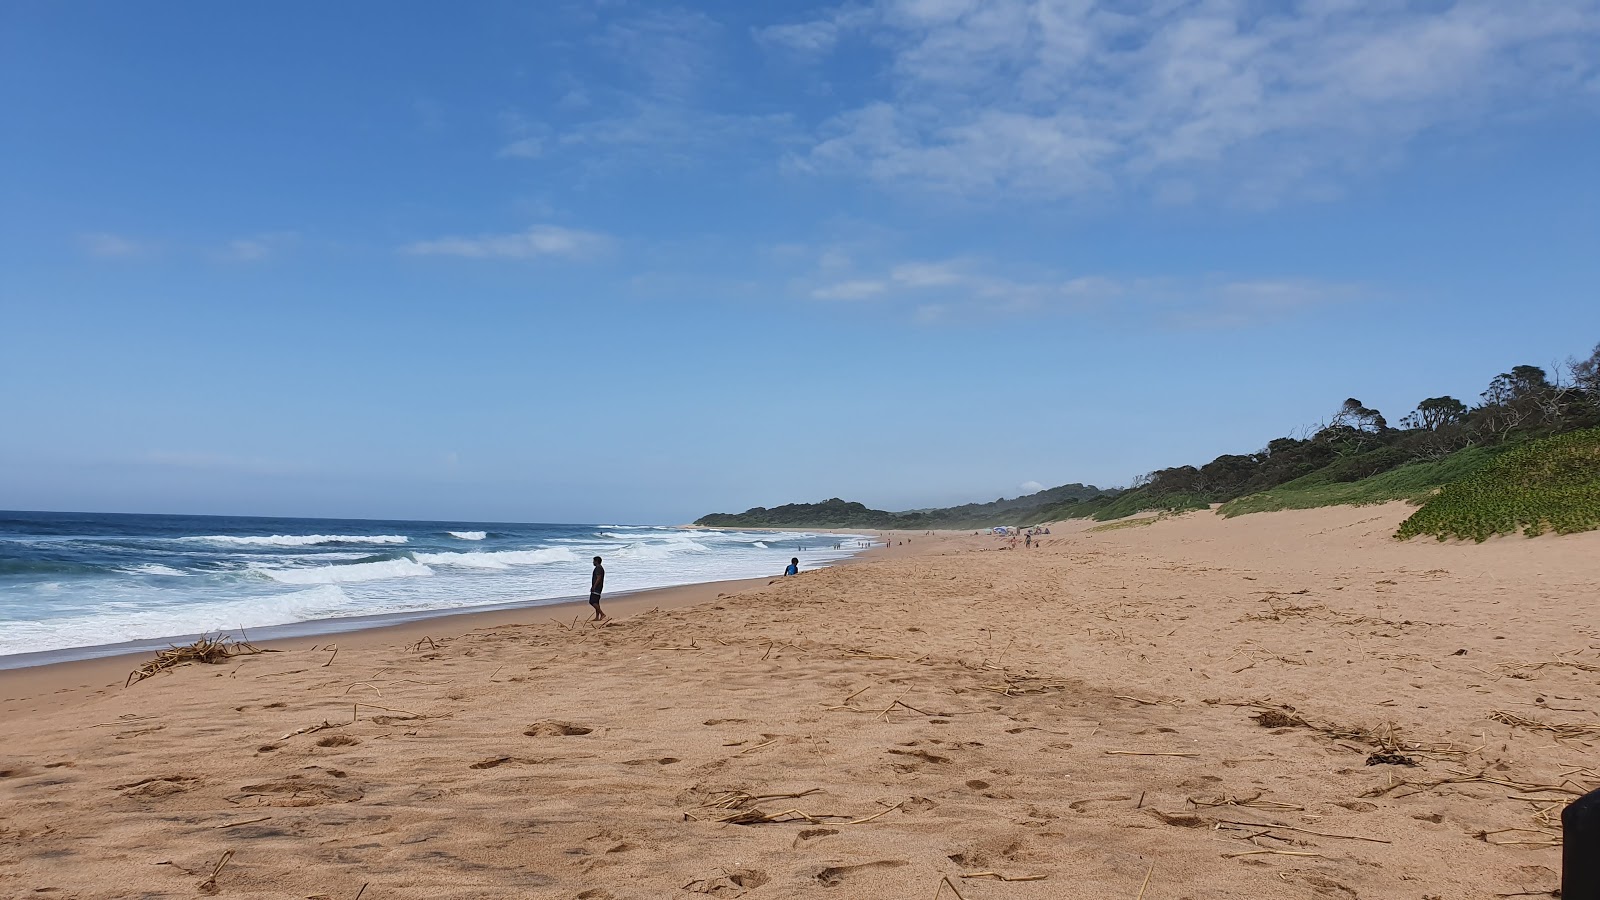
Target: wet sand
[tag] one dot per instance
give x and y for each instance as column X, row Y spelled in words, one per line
column 1184, row 708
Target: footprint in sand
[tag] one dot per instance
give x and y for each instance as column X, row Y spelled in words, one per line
column 158, row 786
column 833, row 876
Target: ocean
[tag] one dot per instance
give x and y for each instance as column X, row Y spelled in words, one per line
column 73, row 583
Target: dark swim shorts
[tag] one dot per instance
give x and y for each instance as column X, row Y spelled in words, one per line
column 594, row 598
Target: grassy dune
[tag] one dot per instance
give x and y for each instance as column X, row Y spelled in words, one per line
column 1545, row 485
column 1415, row 481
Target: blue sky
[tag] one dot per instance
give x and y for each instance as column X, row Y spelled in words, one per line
column 601, row 261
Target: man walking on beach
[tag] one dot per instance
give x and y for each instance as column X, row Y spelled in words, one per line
column 597, row 583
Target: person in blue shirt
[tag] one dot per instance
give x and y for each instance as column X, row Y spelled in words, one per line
column 793, row 568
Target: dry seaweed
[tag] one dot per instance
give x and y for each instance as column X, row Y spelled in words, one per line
column 204, row 650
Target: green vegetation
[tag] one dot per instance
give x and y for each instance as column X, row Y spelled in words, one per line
column 1414, row 481
column 1473, row 456
column 836, row 513
column 1133, row 502
column 1551, row 484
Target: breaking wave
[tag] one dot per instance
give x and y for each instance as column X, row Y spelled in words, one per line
column 503, row 559
column 301, row 540
column 353, row 572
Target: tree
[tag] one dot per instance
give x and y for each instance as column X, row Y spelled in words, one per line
column 1435, row 413
column 1586, row 375
column 1356, row 415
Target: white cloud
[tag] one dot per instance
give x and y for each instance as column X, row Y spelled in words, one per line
column 538, row 241
column 955, row 290
column 669, row 52
column 1063, row 97
column 523, row 148
column 258, row 247
column 850, row 290
column 1031, row 487
column 105, row 245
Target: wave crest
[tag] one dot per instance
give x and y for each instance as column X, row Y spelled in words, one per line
column 300, row 540
column 468, row 535
column 368, row 571
column 503, row 559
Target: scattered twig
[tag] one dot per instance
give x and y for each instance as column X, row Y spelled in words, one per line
column 246, row 822
column 1348, row 837
column 1147, row 873
column 209, row 886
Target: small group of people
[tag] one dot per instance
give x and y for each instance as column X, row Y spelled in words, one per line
column 597, row 584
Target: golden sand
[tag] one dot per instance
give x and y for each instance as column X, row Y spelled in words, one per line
column 1186, row 709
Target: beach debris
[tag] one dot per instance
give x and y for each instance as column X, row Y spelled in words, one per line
column 205, row 650
column 1389, row 759
column 999, row 877
column 1147, row 873
column 245, row 822
column 1277, row 718
column 209, row 886
column 1254, row 801
column 1275, row 825
column 1560, row 729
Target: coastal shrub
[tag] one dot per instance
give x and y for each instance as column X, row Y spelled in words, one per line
column 1551, row 484
column 1139, row 501
column 1414, row 481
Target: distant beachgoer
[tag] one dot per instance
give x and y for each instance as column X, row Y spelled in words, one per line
column 793, row 568
column 1027, row 542
column 597, row 583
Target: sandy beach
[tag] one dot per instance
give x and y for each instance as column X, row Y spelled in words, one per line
column 1280, row 705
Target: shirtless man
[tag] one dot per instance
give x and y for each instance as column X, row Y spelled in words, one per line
column 597, row 583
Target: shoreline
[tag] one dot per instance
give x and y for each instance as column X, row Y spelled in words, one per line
column 22, row 686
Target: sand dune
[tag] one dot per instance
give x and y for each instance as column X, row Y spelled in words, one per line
column 1094, row 712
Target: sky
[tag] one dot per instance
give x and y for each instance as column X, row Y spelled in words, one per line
column 627, row 261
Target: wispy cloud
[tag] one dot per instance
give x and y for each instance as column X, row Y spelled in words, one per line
column 536, row 242
column 523, row 148
column 669, row 52
column 1180, row 99
column 258, row 247
column 104, row 245
column 861, row 289
column 964, row 289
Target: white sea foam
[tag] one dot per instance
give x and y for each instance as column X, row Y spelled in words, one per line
column 762, row 545
column 301, row 540
column 503, row 559
column 468, row 535
column 132, row 622
column 660, row 550
column 155, row 569
column 372, row 571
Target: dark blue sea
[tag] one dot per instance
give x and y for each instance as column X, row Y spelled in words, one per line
column 86, row 580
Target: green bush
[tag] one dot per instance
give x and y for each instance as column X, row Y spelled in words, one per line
column 1141, row 501
column 1551, row 484
column 1324, row 487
